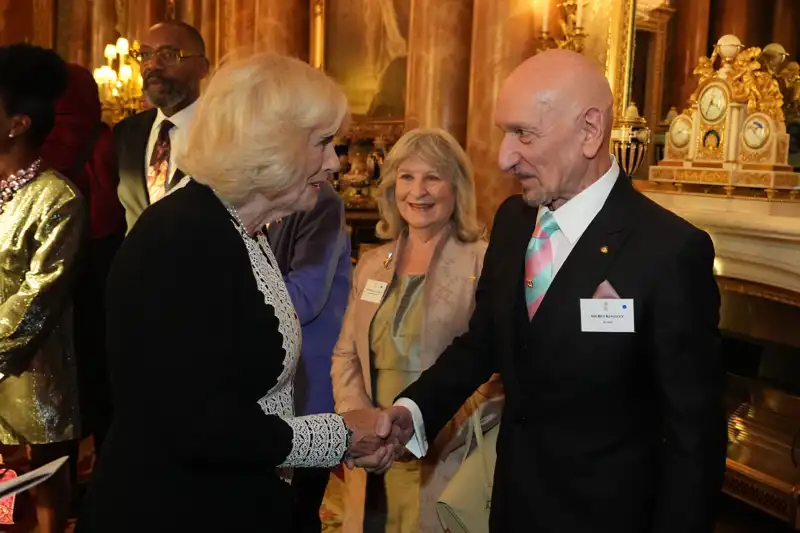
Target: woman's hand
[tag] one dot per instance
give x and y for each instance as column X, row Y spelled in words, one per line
column 367, row 450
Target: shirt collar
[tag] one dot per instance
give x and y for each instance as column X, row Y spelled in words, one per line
column 576, row 214
column 180, row 120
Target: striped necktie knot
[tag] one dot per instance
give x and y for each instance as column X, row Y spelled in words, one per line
column 546, row 225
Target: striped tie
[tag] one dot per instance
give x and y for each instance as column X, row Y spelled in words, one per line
column 539, row 262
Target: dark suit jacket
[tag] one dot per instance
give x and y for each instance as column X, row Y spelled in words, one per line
column 192, row 348
column 131, row 136
column 602, row 432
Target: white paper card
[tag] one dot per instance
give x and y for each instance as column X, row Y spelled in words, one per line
column 373, row 291
column 607, row 315
column 31, row 479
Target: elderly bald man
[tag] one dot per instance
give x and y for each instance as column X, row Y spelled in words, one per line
column 600, row 310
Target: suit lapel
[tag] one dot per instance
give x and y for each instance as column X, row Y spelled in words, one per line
column 587, row 265
column 140, row 147
column 511, row 291
column 515, row 265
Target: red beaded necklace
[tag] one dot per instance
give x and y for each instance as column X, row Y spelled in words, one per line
column 16, row 181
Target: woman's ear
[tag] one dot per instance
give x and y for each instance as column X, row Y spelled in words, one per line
column 19, row 125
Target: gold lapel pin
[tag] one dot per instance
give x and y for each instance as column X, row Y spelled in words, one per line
column 387, row 261
column 604, row 249
column 529, row 283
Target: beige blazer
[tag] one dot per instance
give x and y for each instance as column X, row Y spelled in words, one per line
column 448, row 301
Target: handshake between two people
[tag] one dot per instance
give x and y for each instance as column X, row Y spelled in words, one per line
column 379, row 437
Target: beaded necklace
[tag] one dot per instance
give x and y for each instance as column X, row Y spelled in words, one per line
column 16, row 181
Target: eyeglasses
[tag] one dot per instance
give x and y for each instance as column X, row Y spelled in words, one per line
column 168, row 56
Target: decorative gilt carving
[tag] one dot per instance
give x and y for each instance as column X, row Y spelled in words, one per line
column 790, row 78
column 706, row 72
column 749, row 83
column 751, row 179
column 711, row 142
column 753, row 156
column 702, row 176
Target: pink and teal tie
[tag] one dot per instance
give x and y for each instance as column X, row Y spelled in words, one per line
column 539, row 262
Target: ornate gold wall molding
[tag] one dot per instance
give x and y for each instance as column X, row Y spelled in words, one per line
column 619, row 59
column 317, row 32
column 759, row 290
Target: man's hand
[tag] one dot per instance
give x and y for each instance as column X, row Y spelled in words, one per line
column 396, row 425
column 379, row 437
column 367, row 450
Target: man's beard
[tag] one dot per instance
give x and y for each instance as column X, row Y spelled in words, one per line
column 533, row 198
column 169, row 94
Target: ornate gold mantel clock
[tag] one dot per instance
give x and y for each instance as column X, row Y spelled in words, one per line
column 733, row 134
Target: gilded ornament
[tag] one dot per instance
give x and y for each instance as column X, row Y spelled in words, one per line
column 751, row 179
column 706, row 72
column 753, row 156
column 714, row 177
column 790, row 85
column 711, row 142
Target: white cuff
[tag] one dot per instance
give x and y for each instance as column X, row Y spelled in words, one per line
column 318, row 441
column 418, row 445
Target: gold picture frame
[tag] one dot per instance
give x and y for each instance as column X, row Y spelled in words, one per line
column 388, row 125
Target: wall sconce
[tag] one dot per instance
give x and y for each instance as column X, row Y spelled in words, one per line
column 120, row 87
column 571, row 24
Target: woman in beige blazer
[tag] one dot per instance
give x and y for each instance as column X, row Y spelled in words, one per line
column 409, row 299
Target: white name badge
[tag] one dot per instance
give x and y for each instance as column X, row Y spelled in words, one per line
column 373, row 291
column 607, row 315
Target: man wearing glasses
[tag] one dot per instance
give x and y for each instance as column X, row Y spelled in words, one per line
column 173, row 63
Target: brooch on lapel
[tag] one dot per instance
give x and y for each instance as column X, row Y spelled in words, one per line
column 604, row 249
column 387, row 261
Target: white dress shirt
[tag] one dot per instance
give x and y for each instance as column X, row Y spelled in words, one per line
column 177, row 136
column 573, row 218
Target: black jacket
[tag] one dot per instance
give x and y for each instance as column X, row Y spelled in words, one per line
column 192, row 348
column 602, row 432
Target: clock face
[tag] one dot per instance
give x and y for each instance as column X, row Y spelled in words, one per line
column 680, row 132
column 713, row 103
column 756, row 132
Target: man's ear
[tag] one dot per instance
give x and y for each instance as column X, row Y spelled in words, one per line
column 594, row 128
column 205, row 69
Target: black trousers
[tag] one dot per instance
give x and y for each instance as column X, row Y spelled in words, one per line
column 308, row 488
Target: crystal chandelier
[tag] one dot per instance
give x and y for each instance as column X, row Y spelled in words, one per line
column 119, row 82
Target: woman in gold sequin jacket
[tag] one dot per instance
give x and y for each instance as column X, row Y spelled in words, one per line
column 42, row 218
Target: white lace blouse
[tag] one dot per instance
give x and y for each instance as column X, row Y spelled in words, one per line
column 319, row 440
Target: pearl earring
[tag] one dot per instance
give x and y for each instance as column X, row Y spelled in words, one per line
column 10, row 135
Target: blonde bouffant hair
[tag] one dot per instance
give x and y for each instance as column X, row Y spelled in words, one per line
column 253, row 123
column 441, row 151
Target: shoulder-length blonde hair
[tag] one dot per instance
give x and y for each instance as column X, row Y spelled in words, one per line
column 440, row 150
column 252, row 127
